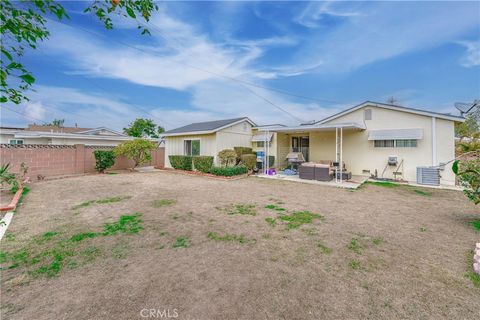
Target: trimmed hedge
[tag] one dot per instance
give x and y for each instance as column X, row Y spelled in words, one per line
column 229, row 171
column 203, row 163
column 240, row 151
column 249, row 161
column 227, row 157
column 181, row 162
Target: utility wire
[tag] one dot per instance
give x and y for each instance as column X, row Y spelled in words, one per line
column 185, row 64
column 24, row 115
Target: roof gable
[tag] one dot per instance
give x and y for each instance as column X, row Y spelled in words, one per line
column 206, row 127
column 101, row 131
column 395, row 108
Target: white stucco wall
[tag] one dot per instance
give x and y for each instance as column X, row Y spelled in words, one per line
column 359, row 153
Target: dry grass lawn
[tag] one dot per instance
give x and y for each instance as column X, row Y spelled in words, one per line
column 108, row 246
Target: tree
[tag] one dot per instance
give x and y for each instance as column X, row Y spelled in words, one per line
column 137, row 150
column 23, row 25
column 469, row 128
column 143, row 128
column 468, row 173
column 56, row 123
column 227, row 157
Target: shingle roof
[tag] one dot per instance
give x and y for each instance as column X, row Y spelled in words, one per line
column 205, row 126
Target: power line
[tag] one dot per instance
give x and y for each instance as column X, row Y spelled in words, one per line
column 24, row 115
column 185, row 64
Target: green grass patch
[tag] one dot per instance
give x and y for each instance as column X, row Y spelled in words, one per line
column 299, row 218
column 129, row 224
column 475, row 224
column 180, row 242
column 10, row 237
column 423, row 229
column 240, row 208
column 111, row 173
column 377, row 241
column 48, row 253
column 84, row 235
column 271, row 221
column 386, row 184
column 355, row 265
column 227, row 237
column 355, row 246
column 274, row 207
column 423, row 192
column 100, row 201
column 163, row 203
column 323, row 249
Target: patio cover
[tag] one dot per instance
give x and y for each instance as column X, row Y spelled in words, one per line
column 318, row 127
column 396, row 134
column 262, row 137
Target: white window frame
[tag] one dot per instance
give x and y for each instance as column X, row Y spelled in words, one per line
column 15, row 141
column 185, row 147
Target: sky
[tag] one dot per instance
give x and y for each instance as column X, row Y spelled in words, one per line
column 275, row 62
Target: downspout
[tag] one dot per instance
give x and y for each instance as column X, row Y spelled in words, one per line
column 434, row 142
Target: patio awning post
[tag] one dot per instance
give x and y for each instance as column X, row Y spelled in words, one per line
column 341, row 154
column 336, row 152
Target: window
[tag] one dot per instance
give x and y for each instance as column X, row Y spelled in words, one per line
column 16, row 141
column 367, row 114
column 261, row 144
column 411, row 143
column 384, row 143
column 191, row 147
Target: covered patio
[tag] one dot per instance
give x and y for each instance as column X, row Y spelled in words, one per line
column 317, row 143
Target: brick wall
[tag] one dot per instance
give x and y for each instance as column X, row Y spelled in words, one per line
column 52, row 160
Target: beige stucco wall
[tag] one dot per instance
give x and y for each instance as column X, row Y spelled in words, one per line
column 175, row 145
column 359, row 153
column 239, row 135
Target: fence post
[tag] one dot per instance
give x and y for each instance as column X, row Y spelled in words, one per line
column 79, row 158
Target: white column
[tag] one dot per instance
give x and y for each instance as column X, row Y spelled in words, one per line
column 336, row 151
column 341, row 154
column 434, row 142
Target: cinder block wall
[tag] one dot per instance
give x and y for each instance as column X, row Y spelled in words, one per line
column 53, row 160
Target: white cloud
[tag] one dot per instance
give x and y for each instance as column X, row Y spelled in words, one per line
column 471, row 58
column 314, row 12
column 384, row 30
column 35, row 111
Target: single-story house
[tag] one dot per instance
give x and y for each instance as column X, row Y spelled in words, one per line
column 385, row 140
column 208, row 138
column 62, row 136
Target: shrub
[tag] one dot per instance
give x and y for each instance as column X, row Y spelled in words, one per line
column 229, row 171
column 227, row 157
column 203, row 163
column 240, row 151
column 137, row 150
column 104, row 159
column 468, row 173
column 249, row 161
column 181, row 162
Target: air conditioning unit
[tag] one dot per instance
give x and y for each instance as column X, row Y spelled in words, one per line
column 428, row 176
column 392, row 160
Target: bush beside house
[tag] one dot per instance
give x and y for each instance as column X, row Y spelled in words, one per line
column 181, row 162
column 249, row 161
column 229, row 171
column 203, row 163
column 227, row 157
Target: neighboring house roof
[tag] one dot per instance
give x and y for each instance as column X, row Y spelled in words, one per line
column 35, row 127
column 205, row 127
column 396, row 108
column 102, row 131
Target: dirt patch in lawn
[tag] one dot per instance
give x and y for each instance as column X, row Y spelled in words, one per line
column 244, row 249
